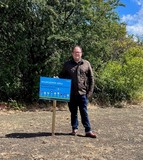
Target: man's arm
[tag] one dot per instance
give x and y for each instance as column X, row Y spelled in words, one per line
column 91, row 81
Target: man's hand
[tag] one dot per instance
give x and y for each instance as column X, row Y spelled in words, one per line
column 89, row 95
column 55, row 77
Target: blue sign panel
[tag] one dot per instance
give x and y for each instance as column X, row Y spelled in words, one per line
column 55, row 89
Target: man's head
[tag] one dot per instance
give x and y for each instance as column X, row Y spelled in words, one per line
column 77, row 53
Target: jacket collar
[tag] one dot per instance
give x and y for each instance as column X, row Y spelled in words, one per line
column 79, row 63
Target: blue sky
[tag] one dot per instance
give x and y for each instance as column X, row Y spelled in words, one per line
column 132, row 15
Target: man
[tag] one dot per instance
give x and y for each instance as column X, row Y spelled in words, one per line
column 81, row 74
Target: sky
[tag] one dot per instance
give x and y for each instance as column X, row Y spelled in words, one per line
column 132, row 15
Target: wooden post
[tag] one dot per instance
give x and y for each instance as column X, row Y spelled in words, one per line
column 54, row 117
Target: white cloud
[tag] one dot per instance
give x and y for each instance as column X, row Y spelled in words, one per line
column 139, row 2
column 135, row 29
column 135, row 22
column 128, row 18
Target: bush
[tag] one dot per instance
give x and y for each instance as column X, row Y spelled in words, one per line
column 122, row 80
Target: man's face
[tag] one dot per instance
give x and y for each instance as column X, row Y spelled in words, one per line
column 77, row 54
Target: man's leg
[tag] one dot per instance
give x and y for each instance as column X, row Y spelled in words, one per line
column 74, row 112
column 84, row 116
column 83, row 101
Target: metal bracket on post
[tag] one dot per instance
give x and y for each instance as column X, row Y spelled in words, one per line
column 54, row 117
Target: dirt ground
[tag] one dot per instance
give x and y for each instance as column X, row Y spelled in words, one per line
column 27, row 135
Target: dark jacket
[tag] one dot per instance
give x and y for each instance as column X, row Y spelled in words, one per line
column 81, row 75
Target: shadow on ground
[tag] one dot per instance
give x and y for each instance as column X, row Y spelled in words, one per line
column 31, row 135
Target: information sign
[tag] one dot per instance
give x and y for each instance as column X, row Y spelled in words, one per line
column 55, row 89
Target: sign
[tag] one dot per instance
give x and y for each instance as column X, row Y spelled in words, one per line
column 55, row 89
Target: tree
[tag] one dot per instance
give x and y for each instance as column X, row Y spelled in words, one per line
column 36, row 37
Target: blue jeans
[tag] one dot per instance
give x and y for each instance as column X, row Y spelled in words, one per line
column 81, row 102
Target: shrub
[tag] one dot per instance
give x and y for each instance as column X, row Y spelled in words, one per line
column 122, row 80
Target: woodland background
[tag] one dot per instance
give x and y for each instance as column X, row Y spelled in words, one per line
column 36, row 38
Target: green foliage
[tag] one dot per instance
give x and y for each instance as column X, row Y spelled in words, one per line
column 31, row 46
column 121, row 80
column 13, row 104
column 37, row 36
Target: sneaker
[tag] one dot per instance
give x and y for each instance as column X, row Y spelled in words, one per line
column 90, row 134
column 74, row 132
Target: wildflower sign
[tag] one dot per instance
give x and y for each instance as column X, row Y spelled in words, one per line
column 55, row 89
